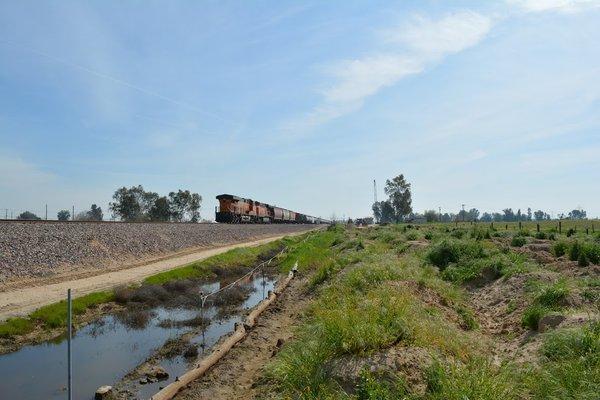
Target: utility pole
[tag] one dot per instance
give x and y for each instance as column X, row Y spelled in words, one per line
column 440, row 213
column 374, row 191
column 69, row 335
column 46, row 212
column 73, row 215
column 6, row 213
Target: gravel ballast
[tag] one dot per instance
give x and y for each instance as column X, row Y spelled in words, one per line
column 43, row 249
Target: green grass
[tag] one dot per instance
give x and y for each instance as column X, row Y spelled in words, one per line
column 385, row 301
column 243, row 256
column 15, row 326
column 570, row 367
column 469, row 260
column 313, row 251
column 363, row 310
column 518, row 241
column 55, row 315
column 547, row 299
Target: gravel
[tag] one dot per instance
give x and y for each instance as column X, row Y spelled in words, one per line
column 45, row 248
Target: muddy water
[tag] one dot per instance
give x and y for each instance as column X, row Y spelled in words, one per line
column 106, row 350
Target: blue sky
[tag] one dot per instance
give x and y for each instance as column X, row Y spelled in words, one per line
column 302, row 104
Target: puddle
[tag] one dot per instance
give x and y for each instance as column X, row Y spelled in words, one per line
column 107, row 349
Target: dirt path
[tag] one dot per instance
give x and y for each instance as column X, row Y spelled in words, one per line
column 235, row 375
column 18, row 302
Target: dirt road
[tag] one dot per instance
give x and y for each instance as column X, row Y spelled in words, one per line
column 19, row 302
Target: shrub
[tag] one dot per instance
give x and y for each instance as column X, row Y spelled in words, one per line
column 472, row 269
column 412, row 236
column 592, row 252
column 541, row 235
column 574, row 251
column 475, row 379
column 373, row 387
column 570, row 232
column 559, row 249
column 582, row 261
column 552, row 295
column 532, row 315
column 468, row 320
column 518, row 241
column 457, row 233
column 573, row 343
column 446, row 252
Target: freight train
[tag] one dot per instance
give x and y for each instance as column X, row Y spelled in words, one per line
column 237, row 210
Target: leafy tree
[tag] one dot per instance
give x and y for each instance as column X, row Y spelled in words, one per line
column 529, row 218
column 509, row 215
column 539, row 215
column 384, row 212
column 486, row 217
column 377, row 211
column 28, row 216
column 398, row 190
column 160, row 211
column 63, row 215
column 473, row 214
column 388, row 214
column 95, row 213
column 185, row 205
column 132, row 204
column 431, row 215
column 448, row 217
column 577, row 214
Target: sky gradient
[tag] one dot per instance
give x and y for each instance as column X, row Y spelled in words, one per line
column 302, row 104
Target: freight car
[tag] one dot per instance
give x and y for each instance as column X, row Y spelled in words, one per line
column 237, row 210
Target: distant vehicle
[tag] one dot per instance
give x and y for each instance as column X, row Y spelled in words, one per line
column 238, row 210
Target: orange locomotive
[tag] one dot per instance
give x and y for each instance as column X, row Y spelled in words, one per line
column 236, row 210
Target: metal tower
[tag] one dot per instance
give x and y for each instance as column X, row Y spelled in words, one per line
column 374, row 191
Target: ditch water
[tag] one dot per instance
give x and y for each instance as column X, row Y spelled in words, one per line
column 107, row 349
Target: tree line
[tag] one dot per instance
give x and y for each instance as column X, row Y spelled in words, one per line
column 507, row 215
column 398, row 208
column 136, row 204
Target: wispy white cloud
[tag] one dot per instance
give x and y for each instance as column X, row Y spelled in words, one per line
column 566, row 6
column 418, row 45
column 451, row 34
